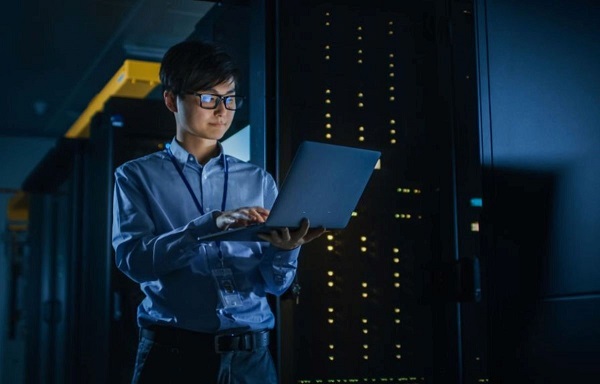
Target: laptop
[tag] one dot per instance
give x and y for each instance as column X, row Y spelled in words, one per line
column 324, row 184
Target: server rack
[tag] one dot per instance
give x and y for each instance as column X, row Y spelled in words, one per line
column 380, row 301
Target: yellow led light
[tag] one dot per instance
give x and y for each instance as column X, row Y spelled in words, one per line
column 366, row 357
column 392, row 88
column 396, row 285
column 398, row 357
column 396, row 260
column 365, row 346
column 475, row 227
column 361, row 128
column 361, row 138
column 359, row 28
column 396, row 250
column 330, row 283
column 392, row 98
column 364, row 321
column 363, row 249
column 360, row 51
column 396, row 310
column 391, row 65
column 360, row 105
column 354, row 214
column 398, row 346
column 396, row 274
column 331, row 346
column 327, row 57
column 327, row 47
column 329, row 273
column 327, row 91
column 328, row 136
column 330, row 310
column 359, row 61
column 390, row 32
column 390, row 23
column 330, row 321
column 330, row 248
column 329, row 237
column 360, row 94
column 328, row 115
column 331, row 358
column 365, row 295
column 397, row 321
column 364, row 284
column 327, row 101
column 392, row 122
column 392, row 74
column 365, row 331
column 393, row 141
column 363, row 238
column 328, row 125
column 359, row 38
column 392, row 131
column 391, row 55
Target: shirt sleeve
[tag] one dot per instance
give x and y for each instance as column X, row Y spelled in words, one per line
column 278, row 268
column 140, row 252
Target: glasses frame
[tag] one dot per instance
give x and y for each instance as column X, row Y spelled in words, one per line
column 220, row 99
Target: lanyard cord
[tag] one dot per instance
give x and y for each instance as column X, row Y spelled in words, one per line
column 189, row 187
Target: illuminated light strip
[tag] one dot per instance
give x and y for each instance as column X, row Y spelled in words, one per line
column 135, row 79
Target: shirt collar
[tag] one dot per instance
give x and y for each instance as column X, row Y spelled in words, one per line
column 183, row 156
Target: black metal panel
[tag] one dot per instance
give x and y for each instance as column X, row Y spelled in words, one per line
column 51, row 266
column 377, row 76
column 126, row 129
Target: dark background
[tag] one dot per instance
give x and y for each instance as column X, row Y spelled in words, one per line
column 495, row 99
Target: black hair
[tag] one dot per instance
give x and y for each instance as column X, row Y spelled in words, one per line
column 194, row 65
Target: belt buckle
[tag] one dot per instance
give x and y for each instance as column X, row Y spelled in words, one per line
column 233, row 342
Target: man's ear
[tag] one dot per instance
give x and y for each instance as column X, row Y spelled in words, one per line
column 170, row 100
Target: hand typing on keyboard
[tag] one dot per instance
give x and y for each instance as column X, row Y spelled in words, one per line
column 241, row 217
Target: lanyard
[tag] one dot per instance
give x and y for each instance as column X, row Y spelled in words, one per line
column 189, row 187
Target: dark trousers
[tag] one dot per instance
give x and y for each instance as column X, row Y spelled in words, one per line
column 168, row 356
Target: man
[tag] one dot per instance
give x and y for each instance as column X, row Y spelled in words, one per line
column 205, row 317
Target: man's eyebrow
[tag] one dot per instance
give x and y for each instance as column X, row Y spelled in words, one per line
column 232, row 90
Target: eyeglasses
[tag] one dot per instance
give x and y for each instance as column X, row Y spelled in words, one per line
column 210, row 101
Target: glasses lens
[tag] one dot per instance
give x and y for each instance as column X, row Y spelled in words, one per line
column 208, row 101
column 233, row 102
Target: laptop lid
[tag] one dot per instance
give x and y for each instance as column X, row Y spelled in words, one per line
column 324, row 184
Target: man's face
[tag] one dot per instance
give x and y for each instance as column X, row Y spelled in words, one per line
column 203, row 123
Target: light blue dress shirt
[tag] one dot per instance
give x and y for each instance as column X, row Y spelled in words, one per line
column 155, row 229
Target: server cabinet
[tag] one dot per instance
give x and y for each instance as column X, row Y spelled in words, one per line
column 384, row 299
column 126, row 129
column 50, row 265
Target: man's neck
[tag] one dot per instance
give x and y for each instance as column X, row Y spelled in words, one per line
column 202, row 149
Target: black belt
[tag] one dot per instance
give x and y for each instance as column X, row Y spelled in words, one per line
column 246, row 341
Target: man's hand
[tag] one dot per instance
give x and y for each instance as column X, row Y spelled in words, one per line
column 284, row 239
column 241, row 217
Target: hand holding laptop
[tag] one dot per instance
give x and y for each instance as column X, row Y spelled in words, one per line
column 284, row 239
column 280, row 237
